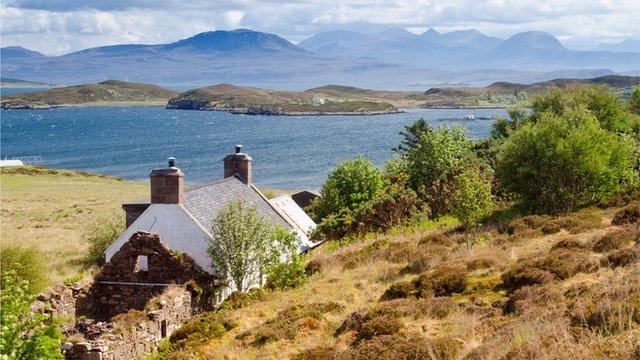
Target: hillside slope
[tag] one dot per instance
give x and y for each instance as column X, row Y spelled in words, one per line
column 110, row 92
column 536, row 287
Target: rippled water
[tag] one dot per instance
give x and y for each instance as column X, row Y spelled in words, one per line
column 288, row 151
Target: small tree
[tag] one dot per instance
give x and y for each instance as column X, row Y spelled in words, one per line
column 351, row 184
column 411, row 135
column 435, row 162
column 473, row 198
column 562, row 162
column 25, row 334
column 245, row 246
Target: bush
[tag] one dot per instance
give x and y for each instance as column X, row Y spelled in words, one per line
column 443, row 281
column 473, row 199
column 622, row 257
column 100, row 235
column 523, row 274
column 616, row 239
column 287, row 275
column 351, row 184
column 377, row 326
column 400, row 290
column 313, row 266
column 598, row 100
column 26, row 265
column 288, row 323
column 532, row 298
column 561, row 163
column 630, row 214
column 200, row 329
column 435, row 163
column 25, row 334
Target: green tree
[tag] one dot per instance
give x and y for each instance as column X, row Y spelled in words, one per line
column 411, row 135
column 351, row 184
column 244, row 245
column 25, row 335
column 634, row 101
column 473, row 199
column 435, row 163
column 600, row 101
column 565, row 160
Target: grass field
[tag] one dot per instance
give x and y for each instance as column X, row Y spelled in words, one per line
column 51, row 210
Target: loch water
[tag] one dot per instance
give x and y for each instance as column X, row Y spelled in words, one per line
column 289, row 152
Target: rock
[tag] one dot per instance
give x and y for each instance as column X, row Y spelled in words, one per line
column 67, row 346
column 81, row 347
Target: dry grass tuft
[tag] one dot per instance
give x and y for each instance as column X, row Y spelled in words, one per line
column 617, row 239
column 630, row 214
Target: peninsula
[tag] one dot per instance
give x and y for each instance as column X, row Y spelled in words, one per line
column 328, row 100
column 106, row 93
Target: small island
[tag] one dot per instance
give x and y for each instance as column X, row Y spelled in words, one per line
column 254, row 101
column 106, row 93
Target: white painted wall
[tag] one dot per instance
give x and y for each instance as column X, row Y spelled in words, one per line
column 175, row 227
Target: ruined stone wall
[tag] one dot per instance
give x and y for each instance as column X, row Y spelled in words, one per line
column 133, row 334
column 122, row 285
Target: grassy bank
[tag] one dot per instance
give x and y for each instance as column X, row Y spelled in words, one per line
column 52, row 209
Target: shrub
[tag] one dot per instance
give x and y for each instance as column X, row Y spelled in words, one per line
column 377, row 326
column 100, row 235
column 473, row 199
column 435, row 163
column 288, row 323
column 287, row 275
column 616, row 239
column 598, row 100
column 446, row 348
column 524, row 274
column 564, row 263
column 531, row 298
column 200, row 329
column 391, row 347
column 313, row 266
column 561, row 163
column 238, row 300
column 568, row 243
column 351, row 184
column 26, row 265
column 630, row 214
column 25, row 334
column 443, row 281
column 436, row 238
column 400, row 290
column 622, row 257
column 608, row 312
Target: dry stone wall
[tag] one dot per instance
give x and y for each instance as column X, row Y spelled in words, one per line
column 133, row 334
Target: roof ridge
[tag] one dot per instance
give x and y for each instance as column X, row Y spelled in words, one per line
column 197, row 187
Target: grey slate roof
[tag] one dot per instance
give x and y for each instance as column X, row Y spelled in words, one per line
column 205, row 201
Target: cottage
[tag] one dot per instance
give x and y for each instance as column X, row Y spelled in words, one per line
column 182, row 221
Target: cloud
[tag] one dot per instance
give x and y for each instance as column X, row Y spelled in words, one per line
column 58, row 26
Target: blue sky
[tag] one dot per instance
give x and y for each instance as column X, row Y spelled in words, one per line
column 58, row 27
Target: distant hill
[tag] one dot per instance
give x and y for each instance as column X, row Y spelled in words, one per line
column 17, row 83
column 105, row 93
column 629, row 45
column 392, row 59
column 13, row 53
column 253, row 101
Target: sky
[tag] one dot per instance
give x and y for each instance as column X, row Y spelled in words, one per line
column 56, row 27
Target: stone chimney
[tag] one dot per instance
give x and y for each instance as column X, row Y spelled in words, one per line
column 239, row 164
column 167, row 185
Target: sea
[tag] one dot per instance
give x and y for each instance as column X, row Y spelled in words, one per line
column 289, row 152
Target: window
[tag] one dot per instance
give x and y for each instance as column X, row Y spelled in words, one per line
column 142, row 264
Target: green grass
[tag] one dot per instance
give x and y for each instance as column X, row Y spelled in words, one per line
column 51, row 210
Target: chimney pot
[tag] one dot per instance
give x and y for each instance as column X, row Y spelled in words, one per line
column 172, row 162
column 238, row 149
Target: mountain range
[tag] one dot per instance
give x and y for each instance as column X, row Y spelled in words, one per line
column 392, row 59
